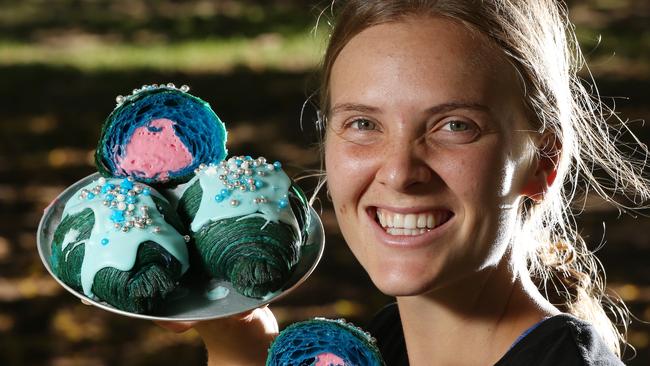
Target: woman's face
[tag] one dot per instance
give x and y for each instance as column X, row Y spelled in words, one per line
column 427, row 153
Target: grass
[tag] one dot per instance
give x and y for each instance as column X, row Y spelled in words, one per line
column 265, row 52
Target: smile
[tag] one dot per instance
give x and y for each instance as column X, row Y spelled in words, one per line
column 411, row 224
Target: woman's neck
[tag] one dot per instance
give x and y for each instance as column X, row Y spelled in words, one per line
column 474, row 321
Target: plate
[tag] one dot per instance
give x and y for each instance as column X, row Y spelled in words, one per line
column 187, row 303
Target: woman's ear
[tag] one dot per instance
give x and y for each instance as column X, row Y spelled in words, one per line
column 544, row 167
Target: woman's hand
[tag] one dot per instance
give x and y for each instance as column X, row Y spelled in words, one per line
column 241, row 339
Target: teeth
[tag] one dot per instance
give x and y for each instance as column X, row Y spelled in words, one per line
column 398, row 221
column 431, row 221
column 422, row 221
column 410, row 221
column 410, row 224
column 399, row 231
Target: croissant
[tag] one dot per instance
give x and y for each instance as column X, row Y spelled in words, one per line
column 159, row 135
column 248, row 221
column 120, row 242
column 323, row 342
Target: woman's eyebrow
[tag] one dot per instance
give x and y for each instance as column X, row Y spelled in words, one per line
column 440, row 108
column 353, row 107
column 446, row 107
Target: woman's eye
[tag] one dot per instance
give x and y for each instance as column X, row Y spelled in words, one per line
column 457, row 126
column 363, row 124
column 456, row 132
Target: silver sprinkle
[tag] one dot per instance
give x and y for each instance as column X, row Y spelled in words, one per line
column 119, row 99
column 242, row 188
column 171, row 85
column 130, row 179
column 234, row 203
column 261, row 173
column 185, row 88
column 106, row 203
column 156, row 229
column 187, row 238
column 137, row 188
column 252, row 188
column 117, row 226
column 148, row 221
column 128, row 223
column 202, row 166
column 248, row 172
column 131, row 193
column 139, row 225
column 125, row 229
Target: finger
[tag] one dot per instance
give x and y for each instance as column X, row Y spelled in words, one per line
column 85, row 302
column 177, row 327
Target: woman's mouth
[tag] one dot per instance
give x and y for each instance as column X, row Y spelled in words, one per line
column 411, row 224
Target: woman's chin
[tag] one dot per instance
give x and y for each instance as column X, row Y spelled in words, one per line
column 401, row 284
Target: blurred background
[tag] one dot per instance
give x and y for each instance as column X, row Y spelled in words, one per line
column 62, row 62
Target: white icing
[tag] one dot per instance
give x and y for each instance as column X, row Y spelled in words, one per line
column 217, row 293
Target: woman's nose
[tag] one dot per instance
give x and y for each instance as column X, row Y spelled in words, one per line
column 404, row 167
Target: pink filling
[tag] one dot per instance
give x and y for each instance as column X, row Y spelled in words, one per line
column 152, row 153
column 329, row 359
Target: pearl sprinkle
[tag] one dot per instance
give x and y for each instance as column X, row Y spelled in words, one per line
column 121, row 99
column 240, row 175
column 123, row 201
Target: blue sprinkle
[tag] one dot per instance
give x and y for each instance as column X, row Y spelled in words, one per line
column 238, row 161
column 259, row 184
column 146, row 191
column 277, row 165
column 107, row 187
column 248, row 157
column 117, row 216
column 90, row 195
column 126, row 184
column 110, row 197
column 104, row 241
column 124, row 190
column 283, row 203
column 131, row 199
column 224, row 192
column 219, row 198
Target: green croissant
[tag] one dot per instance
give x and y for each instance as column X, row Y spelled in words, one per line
column 120, row 242
column 248, row 222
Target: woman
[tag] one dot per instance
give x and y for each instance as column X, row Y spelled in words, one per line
column 455, row 132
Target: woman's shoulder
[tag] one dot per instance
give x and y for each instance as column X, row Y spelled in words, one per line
column 386, row 328
column 561, row 340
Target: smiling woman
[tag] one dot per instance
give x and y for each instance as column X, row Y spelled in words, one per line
column 456, row 133
column 453, row 130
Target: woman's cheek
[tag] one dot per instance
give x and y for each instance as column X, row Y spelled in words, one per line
column 348, row 167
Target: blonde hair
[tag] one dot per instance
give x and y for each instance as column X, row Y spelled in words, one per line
column 539, row 41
